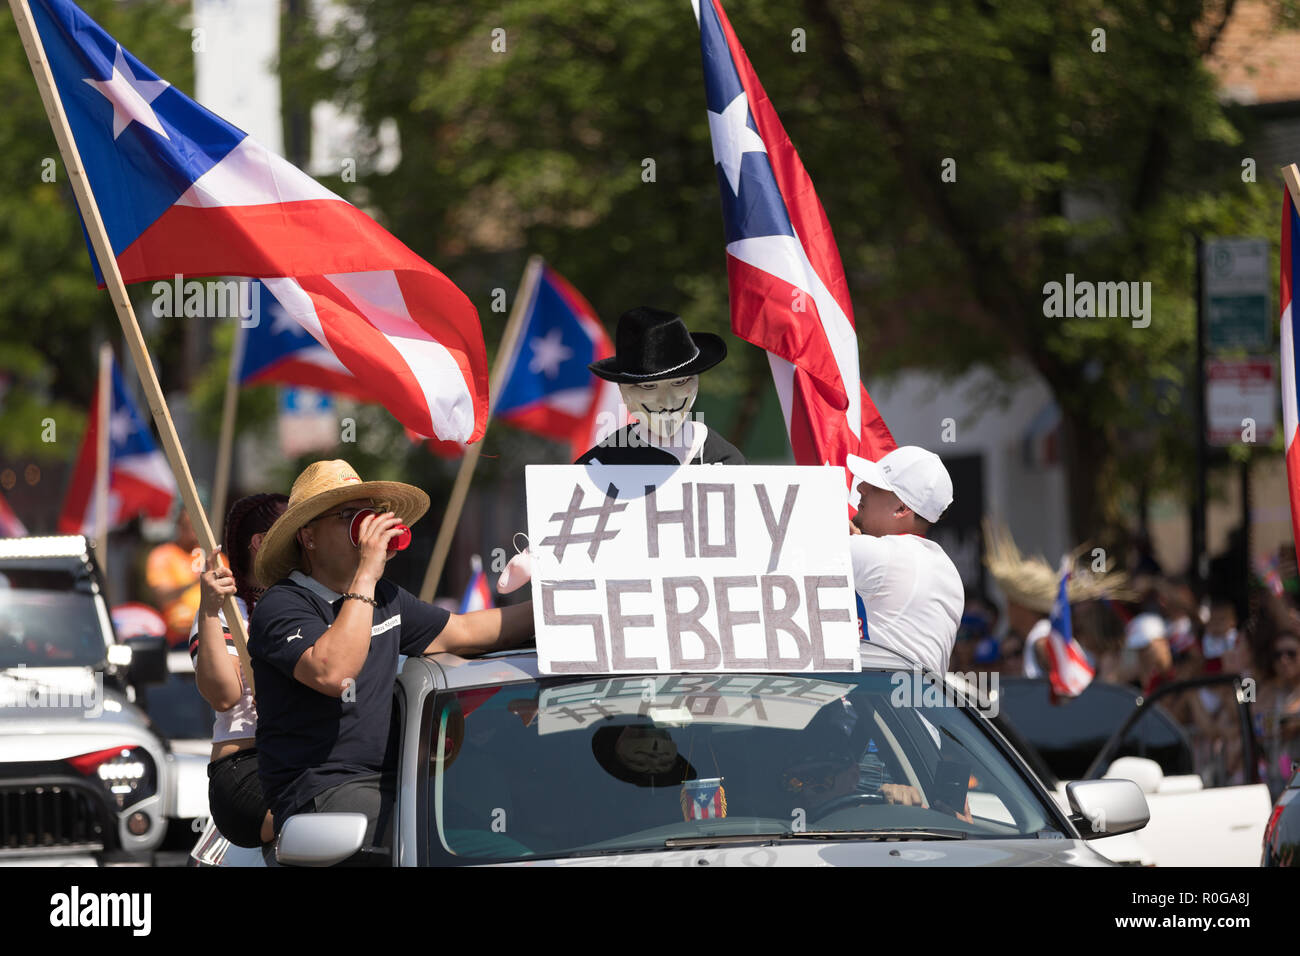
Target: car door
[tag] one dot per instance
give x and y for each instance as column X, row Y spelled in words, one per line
column 1191, row 748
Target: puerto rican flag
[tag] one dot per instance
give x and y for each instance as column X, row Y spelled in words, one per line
column 1068, row 668
column 787, row 286
column 182, row 192
column 478, row 595
column 10, row 525
column 139, row 479
column 279, row 350
column 1290, row 339
column 546, row 387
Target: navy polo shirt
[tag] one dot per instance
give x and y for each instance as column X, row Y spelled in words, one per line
column 307, row 741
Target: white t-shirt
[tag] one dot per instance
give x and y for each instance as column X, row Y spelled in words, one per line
column 241, row 720
column 912, row 594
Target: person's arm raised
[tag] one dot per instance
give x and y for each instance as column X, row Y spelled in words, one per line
column 481, row 632
column 337, row 656
column 216, row 672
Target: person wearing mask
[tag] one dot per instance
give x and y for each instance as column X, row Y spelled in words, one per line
column 235, row 797
column 910, row 594
column 657, row 365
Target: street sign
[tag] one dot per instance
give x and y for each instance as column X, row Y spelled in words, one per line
column 1237, row 292
column 309, row 421
column 1240, row 398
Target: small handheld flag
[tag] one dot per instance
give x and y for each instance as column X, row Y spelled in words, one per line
column 1069, row 671
column 478, row 595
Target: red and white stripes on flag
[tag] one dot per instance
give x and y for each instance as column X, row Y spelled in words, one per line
column 183, row 192
column 787, row 286
column 1290, row 339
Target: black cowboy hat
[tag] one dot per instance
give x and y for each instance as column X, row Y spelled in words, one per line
column 652, row 344
column 602, row 747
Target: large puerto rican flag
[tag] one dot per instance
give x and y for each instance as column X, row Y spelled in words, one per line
column 546, row 387
column 139, row 481
column 1069, row 671
column 1290, row 339
column 182, row 192
column 787, row 286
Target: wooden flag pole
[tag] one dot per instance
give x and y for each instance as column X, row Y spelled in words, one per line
column 135, row 343
column 460, row 490
column 103, row 420
column 221, row 480
column 1291, row 176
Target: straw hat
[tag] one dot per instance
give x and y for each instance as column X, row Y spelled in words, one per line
column 1033, row 583
column 321, row 486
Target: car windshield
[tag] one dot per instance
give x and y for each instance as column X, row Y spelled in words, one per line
column 47, row 620
column 563, row 767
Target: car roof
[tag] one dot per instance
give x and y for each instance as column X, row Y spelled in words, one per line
column 521, row 664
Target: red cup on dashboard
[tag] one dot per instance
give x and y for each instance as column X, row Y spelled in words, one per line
column 399, row 542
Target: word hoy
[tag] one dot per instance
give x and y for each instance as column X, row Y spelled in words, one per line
column 1085, row 300
column 214, row 299
column 75, row 909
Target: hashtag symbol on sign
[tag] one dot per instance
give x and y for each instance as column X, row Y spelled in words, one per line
column 567, row 519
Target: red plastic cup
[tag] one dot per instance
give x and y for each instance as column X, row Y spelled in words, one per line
column 399, row 542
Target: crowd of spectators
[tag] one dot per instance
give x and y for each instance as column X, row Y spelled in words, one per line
column 1246, row 624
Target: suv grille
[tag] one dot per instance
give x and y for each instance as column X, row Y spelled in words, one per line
column 48, row 816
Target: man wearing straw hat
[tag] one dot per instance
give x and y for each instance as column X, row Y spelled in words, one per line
column 325, row 638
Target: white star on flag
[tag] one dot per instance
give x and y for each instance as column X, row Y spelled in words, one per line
column 549, row 354
column 120, row 426
column 131, row 97
column 732, row 138
column 285, row 323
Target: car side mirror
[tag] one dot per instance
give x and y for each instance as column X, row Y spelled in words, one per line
column 320, row 839
column 148, row 659
column 1103, row 808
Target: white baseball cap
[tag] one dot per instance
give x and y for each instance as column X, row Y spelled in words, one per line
column 917, row 476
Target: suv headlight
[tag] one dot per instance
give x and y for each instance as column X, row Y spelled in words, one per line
column 127, row 771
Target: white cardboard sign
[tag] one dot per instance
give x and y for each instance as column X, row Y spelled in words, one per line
column 696, row 568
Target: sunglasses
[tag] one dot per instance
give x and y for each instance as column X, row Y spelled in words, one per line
column 347, row 514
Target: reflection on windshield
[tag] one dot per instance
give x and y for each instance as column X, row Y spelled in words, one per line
column 41, row 628
column 563, row 767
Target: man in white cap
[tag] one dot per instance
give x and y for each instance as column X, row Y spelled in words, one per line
column 907, row 586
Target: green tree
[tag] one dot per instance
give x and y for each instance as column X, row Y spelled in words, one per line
column 52, row 316
column 1067, row 160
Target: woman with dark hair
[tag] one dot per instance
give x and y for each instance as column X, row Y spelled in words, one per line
column 235, row 797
